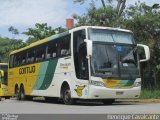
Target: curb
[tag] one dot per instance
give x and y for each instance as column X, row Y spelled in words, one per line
column 139, row 100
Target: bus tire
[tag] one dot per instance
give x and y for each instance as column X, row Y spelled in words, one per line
column 67, row 96
column 30, row 98
column 7, row 97
column 51, row 99
column 17, row 93
column 108, row 101
column 21, row 93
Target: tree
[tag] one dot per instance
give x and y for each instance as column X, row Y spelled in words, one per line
column 13, row 30
column 119, row 9
column 7, row 45
column 144, row 25
column 99, row 16
column 41, row 31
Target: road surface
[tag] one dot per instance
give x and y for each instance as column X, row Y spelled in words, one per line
column 41, row 107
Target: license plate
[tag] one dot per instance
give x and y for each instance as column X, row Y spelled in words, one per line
column 119, row 93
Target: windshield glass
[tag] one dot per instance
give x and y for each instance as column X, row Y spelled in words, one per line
column 104, row 35
column 114, row 54
column 104, row 62
column 128, row 62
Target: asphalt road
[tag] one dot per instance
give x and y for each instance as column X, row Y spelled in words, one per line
column 41, row 107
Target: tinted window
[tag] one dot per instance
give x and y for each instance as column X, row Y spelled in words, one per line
column 11, row 61
column 51, row 49
column 31, row 56
column 40, row 53
column 20, row 59
column 64, row 46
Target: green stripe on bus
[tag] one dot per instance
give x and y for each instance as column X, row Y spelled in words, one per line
column 130, row 83
column 124, row 82
column 41, row 75
column 49, row 74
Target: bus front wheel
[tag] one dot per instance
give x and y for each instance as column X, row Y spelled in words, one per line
column 67, row 96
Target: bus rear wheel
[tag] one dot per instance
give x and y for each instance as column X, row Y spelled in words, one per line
column 17, row 93
column 67, row 96
column 7, row 97
column 21, row 94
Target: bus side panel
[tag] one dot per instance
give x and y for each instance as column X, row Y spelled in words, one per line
column 24, row 75
column 45, row 77
column 4, row 90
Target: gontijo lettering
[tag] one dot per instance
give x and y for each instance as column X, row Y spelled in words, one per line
column 27, row 70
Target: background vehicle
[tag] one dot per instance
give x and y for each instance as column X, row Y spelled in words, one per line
column 83, row 63
column 4, row 80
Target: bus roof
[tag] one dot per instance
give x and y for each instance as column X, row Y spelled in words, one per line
column 40, row 42
column 100, row 27
column 65, row 33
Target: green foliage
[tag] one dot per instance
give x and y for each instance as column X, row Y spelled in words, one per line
column 144, row 25
column 100, row 17
column 41, row 31
column 95, row 16
column 105, row 3
column 7, row 45
column 13, row 30
column 150, row 94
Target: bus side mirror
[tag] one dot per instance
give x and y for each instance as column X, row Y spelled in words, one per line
column 89, row 45
column 147, row 52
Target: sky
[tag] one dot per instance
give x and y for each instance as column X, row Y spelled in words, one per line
column 23, row 14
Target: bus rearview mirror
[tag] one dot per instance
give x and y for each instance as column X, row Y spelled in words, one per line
column 146, row 51
column 89, row 47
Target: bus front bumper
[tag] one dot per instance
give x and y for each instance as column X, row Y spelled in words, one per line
column 97, row 92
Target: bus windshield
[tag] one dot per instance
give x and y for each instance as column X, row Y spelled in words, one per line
column 112, row 57
column 103, row 35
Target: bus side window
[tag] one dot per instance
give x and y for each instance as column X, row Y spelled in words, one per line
column 40, row 53
column 31, row 56
column 16, row 60
column 64, row 46
column 52, row 49
column 23, row 58
column 11, row 61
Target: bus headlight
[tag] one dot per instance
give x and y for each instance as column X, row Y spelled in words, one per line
column 137, row 84
column 97, row 83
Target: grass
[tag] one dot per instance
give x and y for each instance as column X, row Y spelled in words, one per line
column 150, row 94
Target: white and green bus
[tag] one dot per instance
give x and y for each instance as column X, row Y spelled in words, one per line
column 88, row 62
